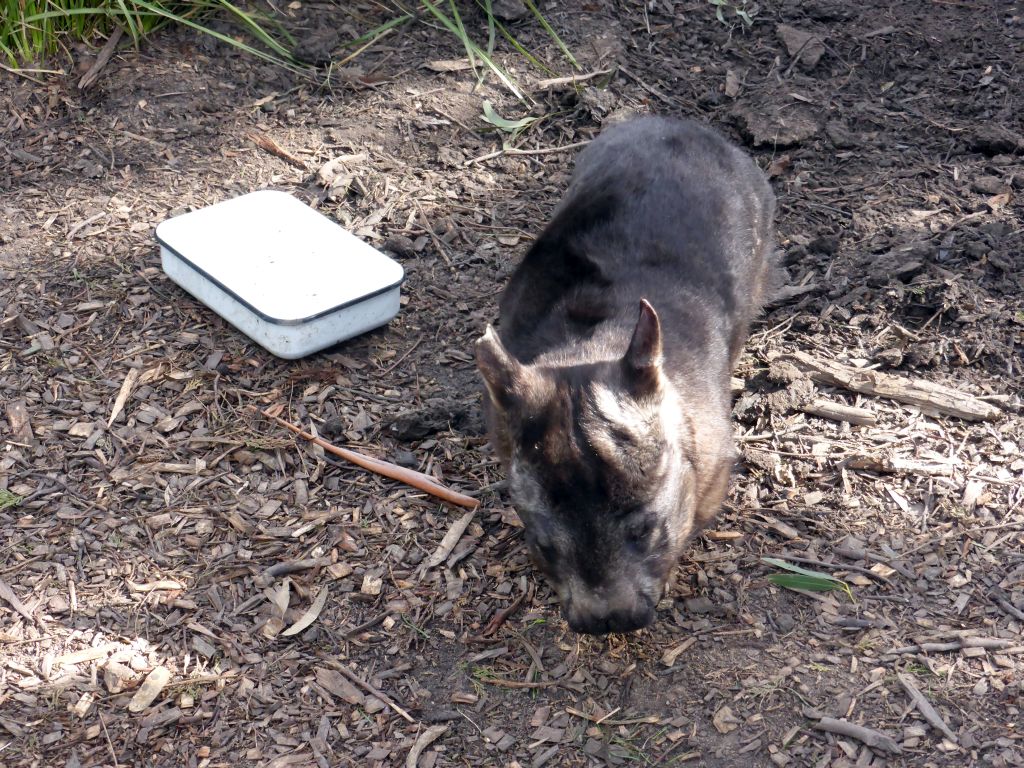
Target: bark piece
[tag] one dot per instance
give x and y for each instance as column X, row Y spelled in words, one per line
column 927, row 395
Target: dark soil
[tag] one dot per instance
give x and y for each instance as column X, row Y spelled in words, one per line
column 894, row 137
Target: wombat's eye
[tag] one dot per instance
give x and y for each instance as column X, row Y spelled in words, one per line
column 639, row 531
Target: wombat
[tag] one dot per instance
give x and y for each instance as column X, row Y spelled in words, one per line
column 607, row 386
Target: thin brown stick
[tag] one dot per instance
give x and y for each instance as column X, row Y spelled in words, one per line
column 554, row 82
column 501, row 616
column 515, row 151
column 411, row 477
column 271, row 146
column 503, row 683
column 926, row 395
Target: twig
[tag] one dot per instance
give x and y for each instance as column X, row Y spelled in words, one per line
column 649, row 88
column 398, row 362
column 271, row 146
column 868, row 736
column 649, row 719
column 291, row 566
column 9, row 596
column 411, row 477
column 501, row 616
column 515, row 151
column 554, row 82
column 503, row 683
column 835, row 566
column 451, row 538
column 105, row 54
column 372, row 690
column 424, row 740
column 999, row 597
column 21, row 73
column 110, row 744
column 360, row 628
column 989, row 643
column 925, row 708
column 826, row 409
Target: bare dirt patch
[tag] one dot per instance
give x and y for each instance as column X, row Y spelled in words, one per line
column 185, row 533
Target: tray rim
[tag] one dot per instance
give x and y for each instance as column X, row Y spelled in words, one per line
column 264, row 316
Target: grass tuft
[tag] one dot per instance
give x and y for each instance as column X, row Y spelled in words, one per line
column 33, row 30
column 9, row 500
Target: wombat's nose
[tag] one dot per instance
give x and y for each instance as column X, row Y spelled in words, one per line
column 600, row 619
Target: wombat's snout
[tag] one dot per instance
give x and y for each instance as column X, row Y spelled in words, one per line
column 598, row 612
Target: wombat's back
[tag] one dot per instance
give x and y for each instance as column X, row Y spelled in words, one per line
column 659, row 208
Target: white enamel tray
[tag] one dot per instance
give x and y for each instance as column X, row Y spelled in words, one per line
column 284, row 275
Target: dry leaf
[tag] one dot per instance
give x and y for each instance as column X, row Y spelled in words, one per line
column 424, row 740
column 807, row 44
column 122, row 396
column 279, row 596
column 998, row 201
column 339, row 685
column 448, row 65
column 779, row 166
column 310, row 615
column 450, row 540
column 725, row 721
column 17, row 417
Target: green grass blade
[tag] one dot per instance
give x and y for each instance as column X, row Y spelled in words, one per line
column 489, row 12
column 450, row 26
column 510, row 126
column 520, row 49
column 256, row 30
column 160, row 11
column 554, row 35
column 460, row 32
column 129, row 22
column 376, row 32
column 802, row 578
column 9, row 500
column 809, row 583
column 788, row 566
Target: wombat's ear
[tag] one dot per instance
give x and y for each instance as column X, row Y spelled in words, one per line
column 502, row 373
column 643, row 358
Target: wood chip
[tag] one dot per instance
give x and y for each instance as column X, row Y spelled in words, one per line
column 669, row 657
column 151, row 687
column 21, row 425
column 7, row 595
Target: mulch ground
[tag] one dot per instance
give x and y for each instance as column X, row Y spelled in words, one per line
column 184, row 583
